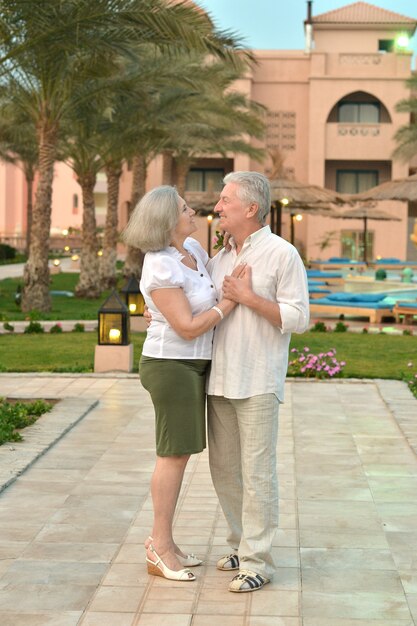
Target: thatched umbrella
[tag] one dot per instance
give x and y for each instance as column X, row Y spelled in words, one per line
column 366, row 212
column 297, row 197
column 302, row 193
column 404, row 189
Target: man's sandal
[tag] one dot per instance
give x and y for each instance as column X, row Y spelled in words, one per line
column 247, row 581
column 228, row 562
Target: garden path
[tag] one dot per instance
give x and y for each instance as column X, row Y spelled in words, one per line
column 73, row 524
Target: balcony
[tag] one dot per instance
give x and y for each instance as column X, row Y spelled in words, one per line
column 358, row 141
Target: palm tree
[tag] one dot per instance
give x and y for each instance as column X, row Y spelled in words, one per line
column 18, row 145
column 50, row 49
column 191, row 113
column 406, row 136
column 221, row 120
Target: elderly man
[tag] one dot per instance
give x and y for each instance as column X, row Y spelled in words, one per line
column 246, row 384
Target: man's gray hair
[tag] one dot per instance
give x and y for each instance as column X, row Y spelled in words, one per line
column 154, row 218
column 252, row 187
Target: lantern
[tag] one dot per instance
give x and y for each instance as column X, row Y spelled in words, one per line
column 133, row 297
column 113, row 326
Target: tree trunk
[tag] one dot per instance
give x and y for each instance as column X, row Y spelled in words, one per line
column 134, row 257
column 108, row 277
column 139, row 171
column 183, row 166
column 36, row 273
column 167, row 167
column 88, row 285
column 29, row 175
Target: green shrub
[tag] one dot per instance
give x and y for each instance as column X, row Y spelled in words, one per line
column 8, row 327
column 340, row 327
column 7, row 252
column 56, row 328
column 319, row 327
column 34, row 327
column 17, row 415
column 78, row 328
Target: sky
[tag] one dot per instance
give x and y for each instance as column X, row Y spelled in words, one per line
column 279, row 24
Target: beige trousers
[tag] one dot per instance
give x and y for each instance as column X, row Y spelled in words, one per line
column 242, row 437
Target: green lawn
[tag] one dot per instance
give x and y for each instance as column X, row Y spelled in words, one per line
column 66, row 352
column 63, row 307
column 366, row 356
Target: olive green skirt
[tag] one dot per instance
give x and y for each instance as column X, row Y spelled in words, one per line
column 177, row 389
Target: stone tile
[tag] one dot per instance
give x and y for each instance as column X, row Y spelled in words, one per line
column 107, row 619
column 53, row 572
column 224, row 620
column 162, row 620
column 394, row 469
column 322, row 621
column 409, row 581
column 356, row 605
column 127, row 575
column 404, row 549
column 68, row 618
column 331, row 538
column 412, row 603
column 330, row 580
column 275, row 603
column 85, row 552
column 255, row 620
column 117, row 599
column 347, row 558
column 168, row 606
column 94, row 533
column 44, row 597
column 11, row 549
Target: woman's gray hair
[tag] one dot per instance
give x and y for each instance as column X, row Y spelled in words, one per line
column 252, row 187
column 155, row 216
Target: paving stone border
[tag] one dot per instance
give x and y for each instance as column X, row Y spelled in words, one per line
column 16, row 458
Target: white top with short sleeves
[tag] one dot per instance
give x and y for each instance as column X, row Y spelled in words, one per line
column 162, row 270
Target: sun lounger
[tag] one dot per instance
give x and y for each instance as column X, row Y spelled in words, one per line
column 389, row 263
column 337, row 263
column 406, row 310
column 330, row 278
column 317, row 292
column 371, row 305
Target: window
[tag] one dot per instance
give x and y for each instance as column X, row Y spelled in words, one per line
column 355, row 181
column 386, row 45
column 352, row 244
column 358, row 113
column 75, row 204
column 205, row 180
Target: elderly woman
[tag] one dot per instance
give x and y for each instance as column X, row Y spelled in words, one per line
column 184, row 306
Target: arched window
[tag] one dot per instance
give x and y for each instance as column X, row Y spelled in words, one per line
column 359, row 107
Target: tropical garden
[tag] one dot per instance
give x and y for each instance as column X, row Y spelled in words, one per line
column 102, row 84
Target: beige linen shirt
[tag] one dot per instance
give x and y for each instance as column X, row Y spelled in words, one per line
column 250, row 355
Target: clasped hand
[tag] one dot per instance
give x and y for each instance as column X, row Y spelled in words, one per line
column 238, row 286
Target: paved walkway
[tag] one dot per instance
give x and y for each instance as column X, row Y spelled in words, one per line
column 74, row 522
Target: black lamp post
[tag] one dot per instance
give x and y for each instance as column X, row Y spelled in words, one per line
column 209, row 221
column 113, row 322
column 133, row 297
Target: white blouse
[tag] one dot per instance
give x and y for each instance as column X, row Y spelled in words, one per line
column 162, row 270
